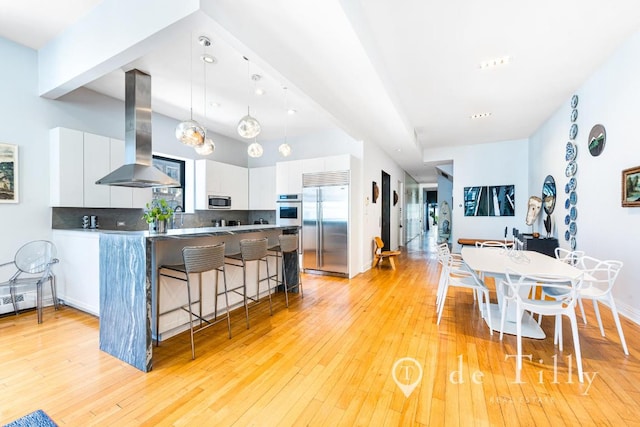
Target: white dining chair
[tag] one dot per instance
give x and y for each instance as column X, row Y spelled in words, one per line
column 516, row 290
column 456, row 275
column 601, row 276
column 443, row 253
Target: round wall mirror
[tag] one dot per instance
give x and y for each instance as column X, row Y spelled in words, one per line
column 549, row 194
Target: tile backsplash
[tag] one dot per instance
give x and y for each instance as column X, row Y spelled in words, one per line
column 131, row 219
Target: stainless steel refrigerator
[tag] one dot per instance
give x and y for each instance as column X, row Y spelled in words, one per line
column 325, row 224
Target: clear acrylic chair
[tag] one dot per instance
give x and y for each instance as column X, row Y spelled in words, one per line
column 517, row 290
column 33, row 263
column 197, row 260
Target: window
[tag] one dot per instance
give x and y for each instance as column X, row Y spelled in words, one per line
column 176, row 170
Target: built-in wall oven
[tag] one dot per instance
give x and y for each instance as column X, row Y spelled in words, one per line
column 289, row 209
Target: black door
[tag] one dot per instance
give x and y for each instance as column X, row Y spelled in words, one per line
column 386, row 210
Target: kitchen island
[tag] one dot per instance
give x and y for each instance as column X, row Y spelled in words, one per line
column 129, row 284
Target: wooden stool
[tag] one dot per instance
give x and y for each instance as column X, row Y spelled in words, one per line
column 379, row 254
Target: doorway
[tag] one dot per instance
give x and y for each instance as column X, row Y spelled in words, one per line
column 386, row 211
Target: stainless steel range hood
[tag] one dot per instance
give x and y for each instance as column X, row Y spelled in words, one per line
column 139, row 170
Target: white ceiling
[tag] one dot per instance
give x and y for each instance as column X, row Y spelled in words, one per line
column 385, row 72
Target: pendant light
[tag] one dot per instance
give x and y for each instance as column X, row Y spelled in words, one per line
column 208, row 146
column 285, row 148
column 248, row 127
column 255, row 149
column 190, row 132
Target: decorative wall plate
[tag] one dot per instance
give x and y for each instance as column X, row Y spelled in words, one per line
column 573, row 197
column 567, row 204
column 573, row 213
column 567, row 235
column 573, row 183
column 574, row 115
column 571, row 169
column 574, row 101
column 567, row 220
column 571, row 151
column 573, row 228
column 573, row 131
column 573, row 243
column 567, row 189
column 597, row 139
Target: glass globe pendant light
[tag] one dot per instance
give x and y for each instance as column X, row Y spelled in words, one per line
column 284, row 148
column 248, row 126
column 190, row 132
column 255, row 149
column 208, row 146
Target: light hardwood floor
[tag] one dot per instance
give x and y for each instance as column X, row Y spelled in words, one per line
column 327, row 360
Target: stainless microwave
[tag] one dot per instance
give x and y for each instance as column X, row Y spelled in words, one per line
column 219, row 202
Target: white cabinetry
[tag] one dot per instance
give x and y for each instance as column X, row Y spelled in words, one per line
column 78, row 273
column 221, row 179
column 96, row 163
column 77, row 160
column 66, row 170
column 289, row 174
column 289, row 177
column 262, row 188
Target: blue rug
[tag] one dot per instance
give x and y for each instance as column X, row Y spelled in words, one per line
column 34, row 419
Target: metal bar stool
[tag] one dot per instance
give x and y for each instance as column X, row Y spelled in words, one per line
column 197, row 260
column 251, row 250
column 289, row 245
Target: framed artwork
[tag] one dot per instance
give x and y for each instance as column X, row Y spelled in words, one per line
column 375, row 191
column 631, row 187
column 8, row 173
column 494, row 200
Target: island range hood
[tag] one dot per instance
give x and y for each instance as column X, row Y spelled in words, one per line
column 138, row 171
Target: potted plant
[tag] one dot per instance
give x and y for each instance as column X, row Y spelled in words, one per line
column 156, row 215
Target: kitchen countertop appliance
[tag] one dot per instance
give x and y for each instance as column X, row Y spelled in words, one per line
column 325, row 223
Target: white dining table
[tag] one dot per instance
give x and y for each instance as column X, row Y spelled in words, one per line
column 496, row 262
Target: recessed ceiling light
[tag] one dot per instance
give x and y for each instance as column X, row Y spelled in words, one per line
column 259, row 91
column 479, row 116
column 495, row 62
column 209, row 59
column 291, row 111
column 214, row 104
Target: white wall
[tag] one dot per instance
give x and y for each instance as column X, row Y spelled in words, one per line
column 605, row 229
column 374, row 161
column 497, row 163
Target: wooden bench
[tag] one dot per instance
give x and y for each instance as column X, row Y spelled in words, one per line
column 472, row 242
column 379, row 254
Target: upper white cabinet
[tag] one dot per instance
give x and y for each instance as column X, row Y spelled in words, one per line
column 96, row 163
column 221, row 179
column 262, row 188
column 66, row 167
column 77, row 160
column 289, row 177
column 289, row 174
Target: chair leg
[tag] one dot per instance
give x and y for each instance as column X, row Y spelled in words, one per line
column 39, row 300
column 285, row 282
column 488, row 305
column 442, row 300
column 503, row 315
column 584, row 318
column 393, row 264
column 193, row 348
column 268, row 284
column 597, row 310
column 54, row 291
column 576, row 343
column 226, row 296
column 616, row 318
column 519, row 314
column 244, row 289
